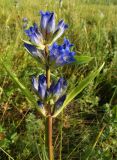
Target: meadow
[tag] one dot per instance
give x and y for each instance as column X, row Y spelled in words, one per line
column 87, row 128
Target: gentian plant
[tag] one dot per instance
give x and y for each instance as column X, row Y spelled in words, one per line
column 52, row 93
column 43, row 46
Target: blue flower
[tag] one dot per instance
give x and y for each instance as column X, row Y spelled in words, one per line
column 55, row 91
column 47, row 34
column 60, row 101
column 62, row 54
column 34, row 51
column 35, row 35
column 61, row 27
column 40, row 85
column 47, row 25
column 60, row 86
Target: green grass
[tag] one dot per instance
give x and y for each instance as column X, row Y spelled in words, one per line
column 87, row 127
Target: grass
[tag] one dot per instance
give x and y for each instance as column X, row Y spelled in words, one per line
column 87, row 127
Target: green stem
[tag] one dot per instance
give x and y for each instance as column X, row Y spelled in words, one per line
column 61, row 136
column 49, row 115
column 50, row 146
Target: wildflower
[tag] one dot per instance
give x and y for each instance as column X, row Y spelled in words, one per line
column 47, row 23
column 34, row 52
column 61, row 27
column 48, row 27
column 60, row 101
column 59, row 87
column 55, row 92
column 35, row 36
column 40, row 36
column 40, row 85
column 61, row 54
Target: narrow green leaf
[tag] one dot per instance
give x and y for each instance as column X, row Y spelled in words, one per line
column 83, row 59
column 78, row 89
column 24, row 90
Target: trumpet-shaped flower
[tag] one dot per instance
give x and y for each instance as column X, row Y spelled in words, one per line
column 60, row 28
column 40, row 85
column 35, row 35
column 55, row 91
column 48, row 31
column 61, row 54
column 59, row 87
column 60, row 101
column 34, row 51
column 47, row 25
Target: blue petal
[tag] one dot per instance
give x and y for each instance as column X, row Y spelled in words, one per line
column 67, row 43
column 51, row 24
column 45, row 16
column 57, row 89
column 63, row 83
column 54, row 51
column 62, row 25
column 52, row 87
column 60, row 101
column 67, row 58
column 42, row 86
column 34, row 34
column 62, row 54
column 33, row 51
column 47, row 23
column 60, row 86
column 60, row 30
column 60, row 60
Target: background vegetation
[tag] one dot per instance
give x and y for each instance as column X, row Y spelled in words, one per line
column 87, row 128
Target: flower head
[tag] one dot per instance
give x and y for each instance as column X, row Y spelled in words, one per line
column 47, row 31
column 47, row 23
column 60, row 28
column 40, row 85
column 60, row 101
column 59, row 87
column 55, row 91
column 62, row 54
column 35, row 35
column 44, row 35
column 48, row 27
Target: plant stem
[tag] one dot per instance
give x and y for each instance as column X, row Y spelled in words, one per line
column 50, row 147
column 49, row 118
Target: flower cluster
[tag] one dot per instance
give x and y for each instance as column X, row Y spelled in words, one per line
column 56, row 92
column 47, row 30
column 59, row 54
column 42, row 45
